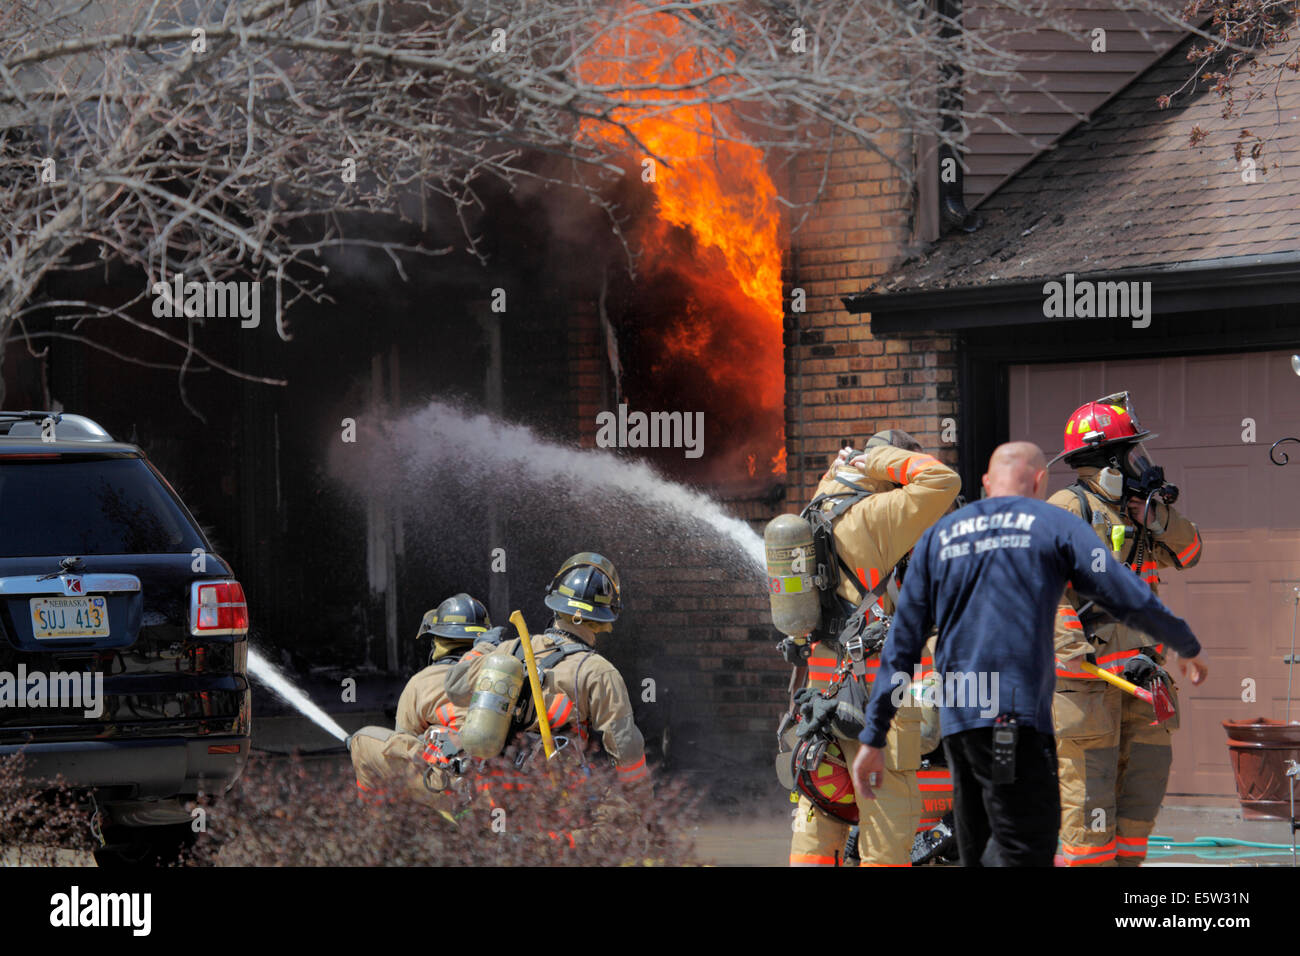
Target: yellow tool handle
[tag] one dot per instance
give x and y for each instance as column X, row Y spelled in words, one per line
column 1124, row 685
column 517, row 619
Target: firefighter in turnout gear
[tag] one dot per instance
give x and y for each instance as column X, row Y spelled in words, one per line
column 1114, row 763
column 909, row 491
column 419, row 757
column 584, row 693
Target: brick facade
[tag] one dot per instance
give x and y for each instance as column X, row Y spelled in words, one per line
column 843, row 383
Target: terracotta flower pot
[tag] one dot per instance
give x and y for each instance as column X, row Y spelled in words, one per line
column 1259, row 750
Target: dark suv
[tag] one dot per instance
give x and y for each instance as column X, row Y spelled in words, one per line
column 109, row 590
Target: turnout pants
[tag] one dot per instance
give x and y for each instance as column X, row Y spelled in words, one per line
column 996, row 824
column 887, row 824
column 389, row 764
column 1114, row 770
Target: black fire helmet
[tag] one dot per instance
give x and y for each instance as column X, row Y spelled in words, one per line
column 586, row 587
column 460, row 617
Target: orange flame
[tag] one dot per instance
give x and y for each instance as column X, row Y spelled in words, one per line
column 717, row 190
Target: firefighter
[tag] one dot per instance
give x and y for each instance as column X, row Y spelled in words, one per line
column 911, row 490
column 411, row 756
column 1114, row 765
column 992, row 591
column 583, row 692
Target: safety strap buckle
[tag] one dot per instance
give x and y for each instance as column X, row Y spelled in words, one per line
column 812, row 754
column 857, row 654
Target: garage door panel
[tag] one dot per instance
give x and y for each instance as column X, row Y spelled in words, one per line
column 1282, row 389
column 1276, row 704
column 1215, row 394
column 1056, row 385
column 1211, row 495
column 1282, row 496
column 1147, row 382
column 1238, row 599
column 1281, row 617
column 1215, row 607
column 1201, row 752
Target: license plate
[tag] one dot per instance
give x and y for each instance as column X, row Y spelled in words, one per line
column 70, row 617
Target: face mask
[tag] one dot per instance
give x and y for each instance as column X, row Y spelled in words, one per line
column 1136, row 463
column 1111, row 482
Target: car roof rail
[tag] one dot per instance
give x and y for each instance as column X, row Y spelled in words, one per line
column 31, row 424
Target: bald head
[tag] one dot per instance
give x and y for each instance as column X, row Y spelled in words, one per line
column 1016, row 468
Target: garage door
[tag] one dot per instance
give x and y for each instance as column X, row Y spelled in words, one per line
column 1240, row 599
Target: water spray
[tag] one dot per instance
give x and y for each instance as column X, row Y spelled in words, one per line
column 285, row 689
column 501, row 455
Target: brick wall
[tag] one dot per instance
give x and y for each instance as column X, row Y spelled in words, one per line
column 700, row 629
column 841, row 381
column 588, row 371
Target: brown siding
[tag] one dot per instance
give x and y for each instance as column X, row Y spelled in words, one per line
column 1062, row 80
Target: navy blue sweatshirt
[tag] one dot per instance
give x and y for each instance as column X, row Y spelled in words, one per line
column 991, row 576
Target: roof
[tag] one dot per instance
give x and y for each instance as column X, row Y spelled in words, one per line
column 1125, row 190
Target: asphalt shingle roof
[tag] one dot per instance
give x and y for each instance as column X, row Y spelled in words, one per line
column 1127, row 190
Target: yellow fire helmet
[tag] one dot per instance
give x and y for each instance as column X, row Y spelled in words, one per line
column 586, row 587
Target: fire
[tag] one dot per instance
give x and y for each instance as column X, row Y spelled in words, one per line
column 720, row 193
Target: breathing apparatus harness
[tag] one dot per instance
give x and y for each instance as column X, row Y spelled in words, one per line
column 526, row 712
column 442, row 750
column 855, row 634
column 1141, row 669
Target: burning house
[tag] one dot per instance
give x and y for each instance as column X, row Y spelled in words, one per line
column 356, row 483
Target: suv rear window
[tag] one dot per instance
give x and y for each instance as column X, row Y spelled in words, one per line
column 102, row 506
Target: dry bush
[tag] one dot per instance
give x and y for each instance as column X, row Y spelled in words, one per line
column 37, row 824
column 298, row 813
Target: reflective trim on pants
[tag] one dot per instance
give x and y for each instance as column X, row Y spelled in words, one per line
column 1088, row 855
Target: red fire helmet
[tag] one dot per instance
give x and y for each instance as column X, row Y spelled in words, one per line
column 1103, row 423
column 830, row 784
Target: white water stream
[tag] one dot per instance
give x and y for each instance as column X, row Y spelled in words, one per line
column 284, row 688
column 475, row 446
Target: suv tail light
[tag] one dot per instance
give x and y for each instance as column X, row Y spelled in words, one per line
column 218, row 607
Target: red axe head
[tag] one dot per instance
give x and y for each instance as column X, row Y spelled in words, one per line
column 1162, row 701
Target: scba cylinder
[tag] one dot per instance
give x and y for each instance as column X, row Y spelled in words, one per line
column 487, row 722
column 791, row 569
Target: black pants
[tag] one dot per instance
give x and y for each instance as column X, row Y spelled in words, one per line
column 1011, row 824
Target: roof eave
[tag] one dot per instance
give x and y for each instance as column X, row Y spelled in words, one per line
column 1180, row 287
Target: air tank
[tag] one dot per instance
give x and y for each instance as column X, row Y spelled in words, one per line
column 496, row 690
column 791, row 570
